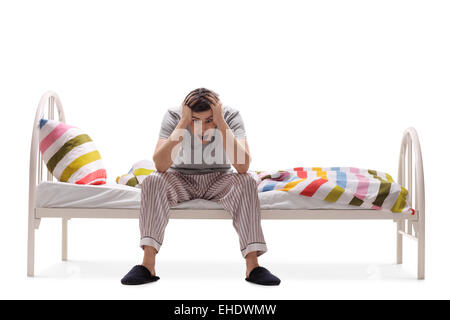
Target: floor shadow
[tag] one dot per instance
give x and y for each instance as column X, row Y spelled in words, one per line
column 342, row 271
column 229, row 270
column 86, row 270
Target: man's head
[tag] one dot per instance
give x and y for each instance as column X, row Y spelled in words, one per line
column 200, row 101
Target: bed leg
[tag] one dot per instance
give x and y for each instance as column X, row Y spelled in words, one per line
column 400, row 227
column 421, row 251
column 421, row 266
column 64, row 239
column 30, row 249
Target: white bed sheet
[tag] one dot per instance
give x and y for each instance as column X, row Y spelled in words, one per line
column 115, row 196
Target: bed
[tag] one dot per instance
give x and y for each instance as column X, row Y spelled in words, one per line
column 54, row 199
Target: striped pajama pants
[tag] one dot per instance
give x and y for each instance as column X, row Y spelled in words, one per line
column 237, row 193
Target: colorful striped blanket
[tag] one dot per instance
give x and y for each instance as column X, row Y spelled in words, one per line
column 367, row 189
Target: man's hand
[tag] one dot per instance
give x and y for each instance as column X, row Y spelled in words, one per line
column 217, row 110
column 165, row 147
column 186, row 115
column 238, row 147
column 186, row 111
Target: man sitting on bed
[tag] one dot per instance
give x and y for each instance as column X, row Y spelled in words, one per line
column 192, row 163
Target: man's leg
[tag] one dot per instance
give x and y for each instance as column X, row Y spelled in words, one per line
column 251, row 262
column 160, row 191
column 239, row 195
column 149, row 259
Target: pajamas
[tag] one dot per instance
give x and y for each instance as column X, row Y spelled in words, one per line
column 237, row 193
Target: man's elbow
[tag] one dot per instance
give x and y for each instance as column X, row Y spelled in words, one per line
column 158, row 166
column 242, row 169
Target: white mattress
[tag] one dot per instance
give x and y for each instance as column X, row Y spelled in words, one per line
column 115, row 196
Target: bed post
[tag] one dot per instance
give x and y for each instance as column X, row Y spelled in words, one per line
column 36, row 171
column 420, row 205
column 410, row 142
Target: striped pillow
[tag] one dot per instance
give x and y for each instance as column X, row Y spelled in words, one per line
column 70, row 154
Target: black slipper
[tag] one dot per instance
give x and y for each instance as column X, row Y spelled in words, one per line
column 262, row 276
column 138, row 275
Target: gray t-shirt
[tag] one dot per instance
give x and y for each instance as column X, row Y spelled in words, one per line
column 195, row 157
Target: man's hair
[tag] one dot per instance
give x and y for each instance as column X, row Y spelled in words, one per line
column 198, row 99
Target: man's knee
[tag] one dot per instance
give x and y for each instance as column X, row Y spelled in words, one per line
column 245, row 179
column 153, row 179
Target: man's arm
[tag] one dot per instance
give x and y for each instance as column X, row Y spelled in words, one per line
column 166, row 147
column 236, row 149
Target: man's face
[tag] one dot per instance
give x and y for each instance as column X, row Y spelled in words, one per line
column 205, row 119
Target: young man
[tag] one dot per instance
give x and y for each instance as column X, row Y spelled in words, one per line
column 197, row 145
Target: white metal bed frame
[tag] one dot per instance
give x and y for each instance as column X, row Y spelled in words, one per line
column 409, row 226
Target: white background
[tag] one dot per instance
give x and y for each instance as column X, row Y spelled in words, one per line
column 318, row 83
